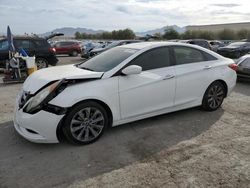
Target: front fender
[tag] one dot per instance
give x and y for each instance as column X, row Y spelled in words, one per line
column 105, row 90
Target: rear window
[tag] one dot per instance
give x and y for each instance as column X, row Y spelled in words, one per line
column 186, row 55
column 41, row 43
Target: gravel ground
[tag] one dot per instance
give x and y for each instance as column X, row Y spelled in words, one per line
column 190, row 148
column 219, row 157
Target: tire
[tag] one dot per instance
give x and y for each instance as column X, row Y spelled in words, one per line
column 41, row 63
column 214, row 96
column 74, row 53
column 85, row 123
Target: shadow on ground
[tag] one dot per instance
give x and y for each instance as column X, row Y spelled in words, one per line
column 24, row 164
column 243, row 87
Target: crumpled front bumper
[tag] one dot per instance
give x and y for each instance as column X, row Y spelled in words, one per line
column 39, row 128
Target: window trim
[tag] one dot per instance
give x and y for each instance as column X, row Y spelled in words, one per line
column 119, row 72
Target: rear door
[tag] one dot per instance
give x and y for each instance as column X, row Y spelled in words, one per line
column 153, row 89
column 62, row 47
column 194, row 72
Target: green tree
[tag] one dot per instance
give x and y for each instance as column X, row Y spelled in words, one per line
column 243, row 34
column 78, row 35
column 227, row 34
column 171, row 33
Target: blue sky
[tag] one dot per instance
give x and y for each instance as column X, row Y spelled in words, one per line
column 140, row 15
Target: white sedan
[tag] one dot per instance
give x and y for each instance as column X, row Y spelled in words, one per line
column 121, row 85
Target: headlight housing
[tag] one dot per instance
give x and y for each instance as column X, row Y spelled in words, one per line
column 41, row 97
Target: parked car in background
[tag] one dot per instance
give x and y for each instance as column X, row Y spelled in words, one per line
column 121, row 85
column 215, row 44
column 88, row 46
column 235, row 49
column 243, row 70
column 113, row 44
column 72, row 48
column 34, row 46
column 200, row 42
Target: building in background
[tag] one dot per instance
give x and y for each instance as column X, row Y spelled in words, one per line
column 219, row 27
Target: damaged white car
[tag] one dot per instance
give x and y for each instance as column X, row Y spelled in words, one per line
column 121, row 85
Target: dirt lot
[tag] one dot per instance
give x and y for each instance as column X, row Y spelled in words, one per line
column 190, row 148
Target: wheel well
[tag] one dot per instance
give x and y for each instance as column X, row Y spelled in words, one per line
column 106, row 107
column 224, row 84
column 59, row 131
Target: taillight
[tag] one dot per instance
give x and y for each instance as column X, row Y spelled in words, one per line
column 233, row 66
column 53, row 50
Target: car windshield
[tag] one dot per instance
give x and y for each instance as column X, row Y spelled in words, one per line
column 236, row 44
column 108, row 59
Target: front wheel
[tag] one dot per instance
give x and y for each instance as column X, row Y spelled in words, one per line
column 85, row 123
column 214, row 96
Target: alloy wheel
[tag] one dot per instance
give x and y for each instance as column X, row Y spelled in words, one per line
column 87, row 124
column 41, row 63
column 215, row 96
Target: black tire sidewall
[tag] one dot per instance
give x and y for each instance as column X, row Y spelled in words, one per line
column 205, row 104
column 76, row 108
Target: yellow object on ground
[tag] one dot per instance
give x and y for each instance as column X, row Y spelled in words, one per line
column 31, row 65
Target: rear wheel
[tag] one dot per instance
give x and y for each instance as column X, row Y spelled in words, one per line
column 74, row 53
column 214, row 96
column 41, row 63
column 85, row 123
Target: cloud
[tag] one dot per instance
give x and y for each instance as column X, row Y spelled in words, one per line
column 139, row 15
column 230, row 5
column 122, row 9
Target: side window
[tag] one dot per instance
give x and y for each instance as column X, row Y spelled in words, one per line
column 3, row 45
column 185, row 55
column 25, row 44
column 245, row 63
column 40, row 43
column 153, row 59
column 32, row 44
column 58, row 44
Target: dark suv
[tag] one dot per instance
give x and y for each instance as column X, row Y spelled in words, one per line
column 34, row 46
column 71, row 48
column 200, row 42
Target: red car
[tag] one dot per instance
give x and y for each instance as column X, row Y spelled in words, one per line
column 71, row 48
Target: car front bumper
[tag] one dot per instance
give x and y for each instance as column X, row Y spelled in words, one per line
column 39, row 128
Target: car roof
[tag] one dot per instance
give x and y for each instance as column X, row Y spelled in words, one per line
column 25, row 37
column 142, row 45
column 148, row 45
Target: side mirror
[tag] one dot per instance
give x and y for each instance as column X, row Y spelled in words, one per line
column 132, row 69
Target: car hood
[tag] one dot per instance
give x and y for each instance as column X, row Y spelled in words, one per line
column 42, row 77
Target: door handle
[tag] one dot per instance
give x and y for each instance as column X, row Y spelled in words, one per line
column 169, row 76
column 207, row 67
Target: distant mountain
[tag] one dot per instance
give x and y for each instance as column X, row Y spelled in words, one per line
column 70, row 31
column 161, row 30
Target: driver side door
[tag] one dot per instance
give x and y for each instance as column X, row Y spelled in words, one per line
column 153, row 89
